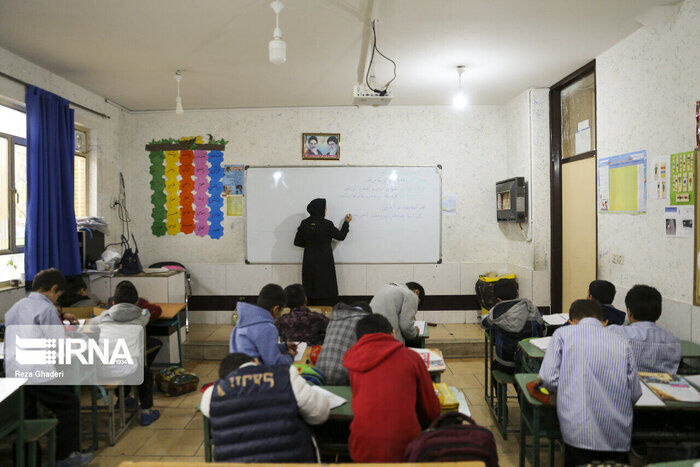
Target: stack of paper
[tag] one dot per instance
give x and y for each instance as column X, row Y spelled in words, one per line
column 541, row 343
column 558, row 319
column 430, row 358
column 333, row 399
column 670, row 387
column 421, row 327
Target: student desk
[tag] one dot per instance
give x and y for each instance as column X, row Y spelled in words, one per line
column 168, row 324
column 12, row 413
column 685, row 463
column 532, row 356
column 541, row 421
column 231, row 464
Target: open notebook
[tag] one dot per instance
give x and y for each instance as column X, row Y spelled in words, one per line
column 333, row 399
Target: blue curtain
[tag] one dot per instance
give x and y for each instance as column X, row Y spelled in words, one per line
column 50, row 235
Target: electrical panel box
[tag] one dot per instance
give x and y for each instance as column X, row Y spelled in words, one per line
column 511, row 200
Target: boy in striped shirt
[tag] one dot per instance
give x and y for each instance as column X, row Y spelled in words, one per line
column 595, row 377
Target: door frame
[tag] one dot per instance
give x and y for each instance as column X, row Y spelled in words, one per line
column 555, row 178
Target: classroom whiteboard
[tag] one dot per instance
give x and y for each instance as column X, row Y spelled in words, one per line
column 396, row 212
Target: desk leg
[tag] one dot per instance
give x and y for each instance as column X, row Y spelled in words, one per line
column 207, row 440
column 535, row 437
column 522, row 441
column 20, row 430
column 179, row 341
column 486, row 368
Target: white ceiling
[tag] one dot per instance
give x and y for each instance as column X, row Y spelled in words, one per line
column 128, row 50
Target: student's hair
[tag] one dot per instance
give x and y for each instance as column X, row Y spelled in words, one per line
column 125, row 292
column 295, row 295
column 602, row 291
column 232, row 362
column 46, row 279
column 364, row 306
column 372, row 324
column 583, row 308
column 506, row 290
column 75, row 284
column 419, row 288
column 644, row 302
column 270, row 296
column 312, row 138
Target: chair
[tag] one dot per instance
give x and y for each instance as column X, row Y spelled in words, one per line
column 34, row 430
column 497, row 391
column 188, row 285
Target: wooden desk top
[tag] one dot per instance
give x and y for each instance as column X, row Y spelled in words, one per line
column 344, row 412
column 688, row 349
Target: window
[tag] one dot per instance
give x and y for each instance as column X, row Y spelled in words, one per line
column 578, row 117
column 13, row 177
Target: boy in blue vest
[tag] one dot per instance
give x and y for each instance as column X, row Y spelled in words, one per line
column 254, row 411
column 255, row 333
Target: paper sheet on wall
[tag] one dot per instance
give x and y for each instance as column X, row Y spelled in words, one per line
column 660, row 177
column 678, row 221
column 234, row 205
column 234, row 177
column 449, row 203
column 682, row 183
column 622, row 183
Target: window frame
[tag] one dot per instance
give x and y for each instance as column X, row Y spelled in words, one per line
column 84, row 155
column 12, row 195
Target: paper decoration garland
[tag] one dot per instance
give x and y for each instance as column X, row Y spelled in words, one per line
column 187, row 188
column 158, row 197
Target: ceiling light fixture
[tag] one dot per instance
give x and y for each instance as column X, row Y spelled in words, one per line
column 178, row 100
column 459, row 101
column 278, row 48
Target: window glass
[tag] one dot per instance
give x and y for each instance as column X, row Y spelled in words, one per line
column 578, row 117
column 4, row 195
column 80, row 192
column 13, row 122
column 20, row 193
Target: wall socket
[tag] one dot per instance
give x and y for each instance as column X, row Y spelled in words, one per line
column 618, row 259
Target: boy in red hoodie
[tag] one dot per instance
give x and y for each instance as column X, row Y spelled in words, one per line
column 392, row 394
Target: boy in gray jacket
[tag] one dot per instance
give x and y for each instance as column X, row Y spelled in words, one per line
column 399, row 303
column 125, row 311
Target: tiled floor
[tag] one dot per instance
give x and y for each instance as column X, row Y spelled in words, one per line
column 177, row 436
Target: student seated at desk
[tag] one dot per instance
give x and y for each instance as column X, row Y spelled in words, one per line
column 392, row 394
column 512, row 320
column 301, row 324
column 76, row 294
column 399, row 303
column 254, row 411
column 126, row 311
column 255, row 333
column 654, row 349
column 38, row 309
column 594, row 375
column 603, row 292
column 340, row 336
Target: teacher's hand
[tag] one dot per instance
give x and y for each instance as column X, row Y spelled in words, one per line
column 348, row 217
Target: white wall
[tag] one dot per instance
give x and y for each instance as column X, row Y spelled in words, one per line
column 647, row 86
column 104, row 136
column 528, row 156
column 469, row 145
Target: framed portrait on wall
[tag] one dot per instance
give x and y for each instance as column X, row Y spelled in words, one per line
column 320, row 146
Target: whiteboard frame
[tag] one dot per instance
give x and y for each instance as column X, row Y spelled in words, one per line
column 437, row 167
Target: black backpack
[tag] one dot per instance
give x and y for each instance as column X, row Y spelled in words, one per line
column 130, row 264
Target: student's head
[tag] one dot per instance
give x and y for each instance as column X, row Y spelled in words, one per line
column 233, row 361
column 49, row 282
column 417, row 289
column 126, row 293
column 272, row 298
column 372, row 324
column 585, row 309
column 505, row 290
column 643, row 303
column 296, row 296
column 76, row 285
column 601, row 291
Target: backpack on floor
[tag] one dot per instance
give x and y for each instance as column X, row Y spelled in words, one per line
column 175, row 381
column 449, row 439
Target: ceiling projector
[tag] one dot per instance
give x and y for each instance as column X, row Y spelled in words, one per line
column 363, row 95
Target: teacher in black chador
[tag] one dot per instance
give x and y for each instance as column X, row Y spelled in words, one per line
column 314, row 235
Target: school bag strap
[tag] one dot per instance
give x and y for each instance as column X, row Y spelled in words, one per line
column 450, row 418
